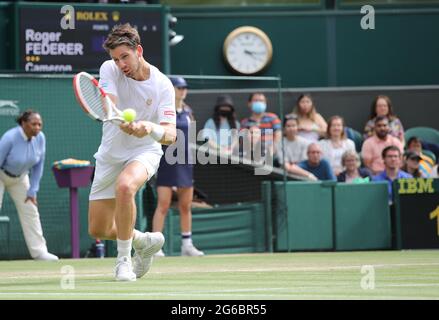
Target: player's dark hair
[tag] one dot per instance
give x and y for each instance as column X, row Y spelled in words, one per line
column 122, row 34
column 25, row 116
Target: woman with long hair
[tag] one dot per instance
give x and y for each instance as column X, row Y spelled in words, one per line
column 336, row 143
column 217, row 129
column 382, row 106
column 312, row 126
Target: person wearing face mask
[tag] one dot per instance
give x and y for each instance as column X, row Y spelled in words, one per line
column 268, row 122
column 22, row 153
column 217, row 130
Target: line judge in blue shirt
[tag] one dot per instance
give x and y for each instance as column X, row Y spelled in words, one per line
column 22, row 153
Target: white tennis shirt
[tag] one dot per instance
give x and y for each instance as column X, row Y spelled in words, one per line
column 153, row 100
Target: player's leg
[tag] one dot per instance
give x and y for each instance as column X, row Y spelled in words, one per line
column 30, row 219
column 101, row 223
column 145, row 244
column 102, row 214
column 185, row 197
column 129, row 181
column 132, row 177
column 164, row 198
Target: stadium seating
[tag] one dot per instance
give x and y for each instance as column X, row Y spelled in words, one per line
column 424, row 133
column 355, row 136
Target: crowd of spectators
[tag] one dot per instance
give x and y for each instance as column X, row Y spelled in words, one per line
column 312, row 148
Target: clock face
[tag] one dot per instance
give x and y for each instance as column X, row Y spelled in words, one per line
column 247, row 50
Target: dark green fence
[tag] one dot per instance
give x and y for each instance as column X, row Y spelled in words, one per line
column 330, row 216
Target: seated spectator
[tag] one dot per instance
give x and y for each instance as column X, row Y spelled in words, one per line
column 217, row 130
column 336, row 144
column 312, row 126
column 268, row 122
column 426, row 163
column 392, row 163
column 294, row 145
column 316, row 165
column 411, row 164
column 373, row 146
column 353, row 173
column 382, row 107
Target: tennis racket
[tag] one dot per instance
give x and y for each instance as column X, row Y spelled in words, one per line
column 94, row 101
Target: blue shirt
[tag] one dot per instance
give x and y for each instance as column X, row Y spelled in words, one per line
column 20, row 155
column 323, row 171
column 383, row 177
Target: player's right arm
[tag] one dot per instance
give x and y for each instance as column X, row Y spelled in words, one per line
column 106, row 80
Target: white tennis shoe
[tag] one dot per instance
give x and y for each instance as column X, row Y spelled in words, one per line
column 124, row 269
column 159, row 254
column 191, row 251
column 47, row 256
column 143, row 255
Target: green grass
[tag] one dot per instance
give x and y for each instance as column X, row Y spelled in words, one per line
column 330, row 275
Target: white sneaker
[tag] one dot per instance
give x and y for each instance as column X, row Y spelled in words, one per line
column 143, row 256
column 159, row 254
column 124, row 269
column 47, row 257
column 191, row 251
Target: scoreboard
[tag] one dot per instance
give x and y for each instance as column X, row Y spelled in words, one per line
column 46, row 46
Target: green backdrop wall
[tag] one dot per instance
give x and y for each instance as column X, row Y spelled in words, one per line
column 69, row 134
column 317, row 48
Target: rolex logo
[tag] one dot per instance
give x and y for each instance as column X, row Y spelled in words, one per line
column 148, row 102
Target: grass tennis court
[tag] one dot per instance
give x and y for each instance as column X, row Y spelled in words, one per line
column 328, row 275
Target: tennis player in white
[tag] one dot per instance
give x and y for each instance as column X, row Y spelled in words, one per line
column 129, row 154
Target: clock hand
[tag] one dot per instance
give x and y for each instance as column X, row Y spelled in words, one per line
column 250, row 53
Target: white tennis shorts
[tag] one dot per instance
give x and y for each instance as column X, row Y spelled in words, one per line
column 105, row 177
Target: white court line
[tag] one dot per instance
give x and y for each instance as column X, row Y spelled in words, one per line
column 286, row 268
column 264, row 295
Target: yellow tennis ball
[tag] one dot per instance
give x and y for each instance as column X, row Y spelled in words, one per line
column 129, row 115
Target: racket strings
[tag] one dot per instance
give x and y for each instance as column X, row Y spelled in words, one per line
column 93, row 97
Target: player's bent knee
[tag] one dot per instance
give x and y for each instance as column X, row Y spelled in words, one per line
column 97, row 233
column 124, row 189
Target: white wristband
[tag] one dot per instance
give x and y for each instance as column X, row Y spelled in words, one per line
column 157, row 132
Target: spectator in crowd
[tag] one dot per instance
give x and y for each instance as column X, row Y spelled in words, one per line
column 374, row 145
column 353, row 172
column 319, row 167
column 336, row 143
column 294, row 145
column 178, row 175
column 426, row 163
column 382, row 107
column 217, row 130
column 295, row 149
column 22, row 154
column 411, row 164
column 392, row 163
column 312, row 126
column 268, row 123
